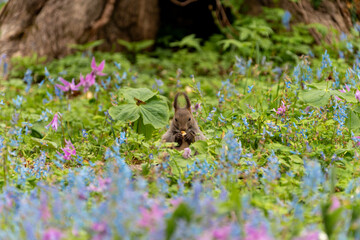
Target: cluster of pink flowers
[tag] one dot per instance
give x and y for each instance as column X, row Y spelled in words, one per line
column 86, row 82
column 54, row 122
column 69, row 150
column 104, row 184
column 281, row 110
column 357, row 95
column 151, row 217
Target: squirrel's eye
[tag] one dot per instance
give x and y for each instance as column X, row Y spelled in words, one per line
column 189, row 119
column 175, row 119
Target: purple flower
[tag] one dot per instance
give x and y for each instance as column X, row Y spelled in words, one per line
column 187, row 153
column 150, row 218
column 347, row 89
column 88, row 81
column 68, row 150
column 52, row 234
column 97, row 70
column 222, row 233
column 104, row 183
column 335, row 203
column 100, row 229
column 54, row 123
column 356, row 139
column 357, row 95
column 67, row 85
column 258, row 233
column 281, row 110
column 196, row 108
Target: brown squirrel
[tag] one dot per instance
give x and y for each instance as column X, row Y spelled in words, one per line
column 184, row 129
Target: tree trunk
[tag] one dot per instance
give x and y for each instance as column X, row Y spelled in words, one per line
column 47, row 27
column 331, row 13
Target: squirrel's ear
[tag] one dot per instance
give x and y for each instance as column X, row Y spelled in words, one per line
column 176, row 106
column 188, row 103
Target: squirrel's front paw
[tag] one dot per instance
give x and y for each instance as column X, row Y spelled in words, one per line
column 178, row 138
column 190, row 137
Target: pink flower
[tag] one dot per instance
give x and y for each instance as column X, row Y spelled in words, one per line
column 97, row 70
column 45, row 212
column 357, row 95
column 281, row 110
column 52, row 234
column 335, row 203
column 150, row 218
column 337, row 98
column 309, row 236
column 104, row 183
column 176, row 202
column 347, row 87
column 101, row 230
column 54, row 123
column 67, row 85
column 356, row 139
column 68, row 150
column 186, row 153
column 259, row 233
column 87, row 82
column 222, row 233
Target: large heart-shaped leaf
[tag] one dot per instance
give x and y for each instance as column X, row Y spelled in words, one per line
column 125, row 112
column 352, row 120
column 316, row 97
column 155, row 112
column 144, row 106
column 134, row 94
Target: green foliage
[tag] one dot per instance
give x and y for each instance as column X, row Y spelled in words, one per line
column 21, row 64
column 183, row 212
column 236, row 96
column 87, row 47
column 144, row 109
column 134, row 48
column 188, row 42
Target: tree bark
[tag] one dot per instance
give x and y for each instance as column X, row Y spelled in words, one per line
column 48, row 27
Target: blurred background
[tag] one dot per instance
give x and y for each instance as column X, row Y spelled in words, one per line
column 182, row 32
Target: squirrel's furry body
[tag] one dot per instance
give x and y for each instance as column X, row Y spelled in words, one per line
column 185, row 122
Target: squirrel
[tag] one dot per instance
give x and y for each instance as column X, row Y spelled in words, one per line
column 184, row 129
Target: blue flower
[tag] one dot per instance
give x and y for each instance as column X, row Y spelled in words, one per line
column 286, row 19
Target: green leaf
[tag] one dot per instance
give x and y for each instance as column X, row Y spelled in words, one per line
column 155, row 112
column 42, row 142
column 126, row 44
column 142, row 45
column 315, row 98
column 144, row 109
column 189, row 41
column 184, row 212
column 125, row 112
column 352, row 120
column 140, row 127
column 227, row 43
column 200, row 146
column 130, row 94
column 348, row 96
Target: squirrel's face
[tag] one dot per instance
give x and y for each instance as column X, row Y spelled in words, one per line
column 183, row 119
